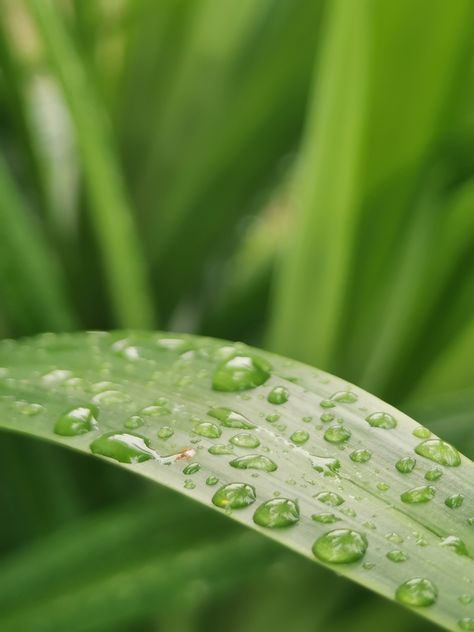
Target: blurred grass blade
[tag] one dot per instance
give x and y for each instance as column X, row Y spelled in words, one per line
column 110, row 213
column 31, row 287
column 198, row 415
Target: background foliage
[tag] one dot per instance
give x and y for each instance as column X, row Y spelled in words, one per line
column 292, row 173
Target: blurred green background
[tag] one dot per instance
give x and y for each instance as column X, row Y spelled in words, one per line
column 297, row 174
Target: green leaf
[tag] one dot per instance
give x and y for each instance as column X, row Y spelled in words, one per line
column 320, row 476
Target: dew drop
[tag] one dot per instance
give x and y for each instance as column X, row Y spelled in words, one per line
column 212, row 480
column 30, row 409
column 156, row 410
column 466, row 623
column 220, row 449
column 230, row 418
column 465, row 599
column 245, row 440
column 383, row 487
column 326, row 403
column 110, row 397
column 337, row 434
column 123, row 447
column 272, row 418
column 254, row 462
column 191, row 468
column 133, row 422
column 394, row 537
column 326, row 464
column 397, row 556
column 327, row 417
column 344, row 397
column 277, row 513
column 189, row 484
column 165, row 432
column 440, row 452
column 416, row 495
column 76, row 421
column 325, row 518
column 421, row 432
column 360, row 456
column 455, row 501
column 240, row 373
column 381, row 420
column 330, row 498
column 406, row 464
column 207, row 429
column 454, row 543
column 299, row 437
column 278, row 395
column 234, row 496
column 417, row 592
column 433, row 475
column 341, row 546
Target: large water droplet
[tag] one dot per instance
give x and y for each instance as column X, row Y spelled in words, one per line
column 329, row 498
column 245, row 440
column 337, row 434
column 124, row 447
column 278, row 395
column 207, row 429
column 341, row 546
column 417, row 592
column 76, row 421
column 277, row 513
column 360, row 456
column 455, row 501
column 230, row 418
column 381, row 420
column 406, row 464
column 234, row 496
column 439, row 451
column 254, row 462
column 299, row 437
column 421, row 494
column 240, row 373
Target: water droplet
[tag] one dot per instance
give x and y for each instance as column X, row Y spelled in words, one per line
column 394, row 537
column 230, row 418
column 421, row 432
column 381, row 420
column 368, row 565
column 348, row 511
column 254, row 462
column 110, row 397
column 327, row 417
column 157, row 410
column 341, row 546
column 299, row 437
column 465, row 599
column 189, row 484
column 133, row 422
column 337, row 434
column 165, row 432
column 454, row 543
column 406, row 464
column 220, row 449
column 76, row 421
column 212, row 480
column 466, row 623
column 421, row 494
column 234, row 496
column 330, row 498
column 439, row 451
column 325, row 518
column 434, row 474
column 326, row 464
column 30, row 409
column 191, row 468
column 245, row 440
column 56, row 376
column 207, row 429
column 123, row 447
column 326, row 403
column 397, row 556
column 278, row 395
column 360, row 456
column 344, row 397
column 417, row 592
column 383, row 487
column 124, row 349
column 277, row 513
column 240, row 373
column 272, row 418
column 455, row 501
column 307, row 419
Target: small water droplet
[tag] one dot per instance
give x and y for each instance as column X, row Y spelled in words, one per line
column 56, row 376
column 234, row 496
column 133, row 422
column 207, row 429
column 381, row 420
column 360, row 456
column 454, row 543
column 230, row 418
column 189, row 484
column 394, row 537
column 417, row 592
column 434, row 474
column 466, row 623
column 272, row 418
column 125, row 349
column 254, row 462
column 330, row 498
column 277, row 513
column 455, row 501
column 326, row 403
column 240, row 373
column 416, row 495
column 157, row 410
column 191, row 468
column 30, row 409
column 341, row 546
column 76, row 421
column 326, row 464
column 406, row 464
column 212, row 480
column 110, row 397
column 325, row 518
column 299, row 437
column 278, row 395
column 421, row 432
column 397, row 556
column 307, row 419
column 123, row 447
column 327, row 417
column 165, row 432
column 245, row 440
column 465, row 599
column 344, row 397
column 383, row 487
column 348, row 511
column 440, row 452
column 220, row 449
column 337, row 434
